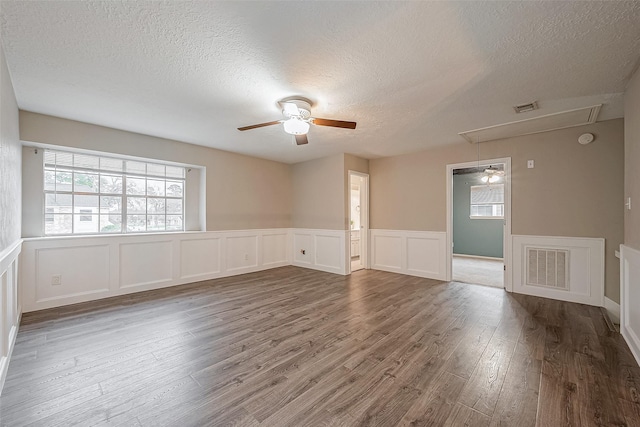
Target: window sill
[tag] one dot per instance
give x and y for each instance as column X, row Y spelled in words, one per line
column 486, row 217
column 107, row 235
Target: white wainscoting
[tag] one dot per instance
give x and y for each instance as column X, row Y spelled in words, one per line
column 613, row 309
column 10, row 305
column 415, row 253
column 94, row 267
column 586, row 268
column 630, row 298
column 323, row 250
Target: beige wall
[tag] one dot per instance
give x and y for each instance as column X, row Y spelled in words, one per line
column 10, row 161
column 242, row 192
column 632, row 161
column 573, row 191
column 318, row 193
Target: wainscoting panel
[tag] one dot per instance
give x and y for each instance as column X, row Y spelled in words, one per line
column 324, row 250
column 10, row 305
column 629, row 298
column 327, row 250
column 302, row 248
column 199, row 257
column 386, row 252
column 425, row 256
column 562, row 268
column 95, row 267
column 415, row 253
column 275, row 249
column 77, row 263
column 146, row 263
column 242, row 252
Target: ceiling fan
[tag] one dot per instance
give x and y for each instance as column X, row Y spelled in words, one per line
column 297, row 113
column 492, row 175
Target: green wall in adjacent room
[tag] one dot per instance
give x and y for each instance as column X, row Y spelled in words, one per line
column 480, row 237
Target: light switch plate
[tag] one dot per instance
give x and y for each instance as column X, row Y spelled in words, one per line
column 530, row 164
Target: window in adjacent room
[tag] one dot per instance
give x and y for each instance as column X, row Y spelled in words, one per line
column 88, row 194
column 487, row 201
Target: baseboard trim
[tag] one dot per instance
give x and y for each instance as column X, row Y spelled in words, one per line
column 613, row 310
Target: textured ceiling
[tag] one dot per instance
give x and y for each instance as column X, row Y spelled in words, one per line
column 412, row 74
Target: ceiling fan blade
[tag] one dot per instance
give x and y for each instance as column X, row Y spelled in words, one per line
column 301, row 139
column 260, row 125
column 334, row 123
column 290, row 109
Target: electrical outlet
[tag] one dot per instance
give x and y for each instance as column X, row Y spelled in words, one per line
column 56, row 280
column 530, row 164
column 246, row 257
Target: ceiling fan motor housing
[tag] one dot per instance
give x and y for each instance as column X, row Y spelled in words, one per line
column 303, row 104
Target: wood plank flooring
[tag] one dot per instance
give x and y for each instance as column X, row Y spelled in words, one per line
column 296, row 347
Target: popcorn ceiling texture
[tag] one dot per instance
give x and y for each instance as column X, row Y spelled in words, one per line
column 10, row 161
column 412, row 74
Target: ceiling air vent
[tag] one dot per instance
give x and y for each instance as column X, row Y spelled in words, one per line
column 523, row 108
column 562, row 120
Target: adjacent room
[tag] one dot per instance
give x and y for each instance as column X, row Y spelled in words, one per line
column 319, row 213
column 478, row 225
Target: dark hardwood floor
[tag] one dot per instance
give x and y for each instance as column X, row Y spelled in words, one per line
column 296, row 347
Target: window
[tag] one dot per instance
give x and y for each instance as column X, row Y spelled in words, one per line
column 48, row 215
column 85, row 218
column 487, row 201
column 86, row 194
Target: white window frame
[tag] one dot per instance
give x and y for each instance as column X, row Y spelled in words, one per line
column 124, row 174
column 493, row 205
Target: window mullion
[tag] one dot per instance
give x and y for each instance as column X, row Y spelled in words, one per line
column 125, row 228
column 73, row 202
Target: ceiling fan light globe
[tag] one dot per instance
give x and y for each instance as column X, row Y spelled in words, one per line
column 295, row 126
column 494, row 178
column 484, row 178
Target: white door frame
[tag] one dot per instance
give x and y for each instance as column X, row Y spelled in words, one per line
column 364, row 219
column 508, row 285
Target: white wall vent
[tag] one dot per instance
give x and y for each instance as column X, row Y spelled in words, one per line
column 548, row 268
column 525, row 108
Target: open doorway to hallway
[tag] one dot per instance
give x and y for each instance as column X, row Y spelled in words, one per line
column 358, row 219
column 478, row 220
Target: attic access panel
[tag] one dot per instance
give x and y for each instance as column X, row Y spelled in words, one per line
column 549, row 122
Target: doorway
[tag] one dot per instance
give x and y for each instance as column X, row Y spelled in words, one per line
column 358, row 220
column 479, row 222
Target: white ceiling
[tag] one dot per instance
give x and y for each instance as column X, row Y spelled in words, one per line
column 412, row 74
